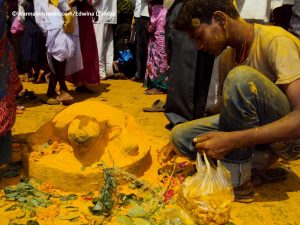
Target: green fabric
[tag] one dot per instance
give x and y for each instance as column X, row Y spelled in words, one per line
column 125, row 6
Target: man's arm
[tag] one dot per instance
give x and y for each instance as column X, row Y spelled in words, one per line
column 218, row 144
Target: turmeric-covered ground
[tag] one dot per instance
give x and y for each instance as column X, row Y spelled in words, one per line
column 274, row 203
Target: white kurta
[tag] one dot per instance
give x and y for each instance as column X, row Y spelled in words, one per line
column 107, row 16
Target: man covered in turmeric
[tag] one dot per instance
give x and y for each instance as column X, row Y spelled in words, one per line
column 260, row 88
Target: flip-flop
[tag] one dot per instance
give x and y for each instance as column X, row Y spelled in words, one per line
column 12, row 170
column 157, row 106
column 154, row 91
column 270, row 175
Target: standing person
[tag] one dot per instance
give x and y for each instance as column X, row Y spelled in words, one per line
column 107, row 12
column 189, row 75
column 10, row 86
column 64, row 57
column 141, row 21
column 260, row 88
column 33, row 45
column 295, row 19
column 156, row 78
column 89, row 75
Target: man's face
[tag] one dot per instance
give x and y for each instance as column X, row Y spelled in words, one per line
column 209, row 38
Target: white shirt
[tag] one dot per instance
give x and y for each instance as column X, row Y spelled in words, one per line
column 107, row 11
column 141, row 8
column 52, row 17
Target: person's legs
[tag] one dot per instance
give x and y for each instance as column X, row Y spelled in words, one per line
column 110, row 50
column 100, row 31
column 144, row 38
column 138, row 47
column 249, row 100
column 59, row 68
column 6, row 148
column 183, row 134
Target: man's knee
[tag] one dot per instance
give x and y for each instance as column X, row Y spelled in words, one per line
column 177, row 135
column 241, row 75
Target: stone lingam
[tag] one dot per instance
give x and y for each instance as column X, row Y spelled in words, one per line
column 70, row 150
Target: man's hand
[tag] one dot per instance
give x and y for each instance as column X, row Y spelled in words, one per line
column 218, row 144
column 166, row 154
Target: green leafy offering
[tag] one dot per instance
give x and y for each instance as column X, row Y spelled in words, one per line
column 103, row 205
column 27, row 196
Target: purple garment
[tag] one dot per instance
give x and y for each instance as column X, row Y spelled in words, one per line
column 157, row 65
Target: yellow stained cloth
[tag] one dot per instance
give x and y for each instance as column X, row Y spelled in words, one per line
column 54, row 2
column 274, row 52
column 69, row 22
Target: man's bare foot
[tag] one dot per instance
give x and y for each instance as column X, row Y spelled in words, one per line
column 65, row 98
column 167, row 154
column 154, row 91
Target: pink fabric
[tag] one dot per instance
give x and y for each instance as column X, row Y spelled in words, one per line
column 157, row 65
column 8, row 103
column 90, row 72
column 16, row 26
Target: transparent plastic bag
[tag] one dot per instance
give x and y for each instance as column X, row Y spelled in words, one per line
column 208, row 194
column 174, row 215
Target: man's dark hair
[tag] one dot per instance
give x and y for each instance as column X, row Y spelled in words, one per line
column 203, row 10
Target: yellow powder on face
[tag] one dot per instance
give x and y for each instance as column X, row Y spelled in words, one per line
column 253, row 87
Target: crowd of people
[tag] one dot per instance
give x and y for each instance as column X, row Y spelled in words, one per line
column 173, row 51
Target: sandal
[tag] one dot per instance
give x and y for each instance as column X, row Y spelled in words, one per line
column 154, row 91
column 157, row 106
column 11, row 169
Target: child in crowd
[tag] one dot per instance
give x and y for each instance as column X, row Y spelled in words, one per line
column 62, row 43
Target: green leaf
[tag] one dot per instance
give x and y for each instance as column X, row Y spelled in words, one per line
column 11, row 208
column 34, row 202
column 137, row 211
column 22, row 199
column 69, row 216
column 140, row 221
column 12, row 195
column 9, row 189
column 32, row 222
column 98, row 207
column 71, row 207
column 230, row 223
column 69, row 197
column 124, row 220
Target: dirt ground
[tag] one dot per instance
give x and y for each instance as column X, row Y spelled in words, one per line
column 274, row 203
